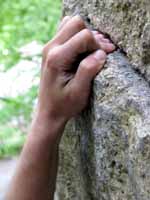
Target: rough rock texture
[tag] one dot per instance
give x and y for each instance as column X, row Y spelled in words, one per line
column 126, row 21
column 105, row 152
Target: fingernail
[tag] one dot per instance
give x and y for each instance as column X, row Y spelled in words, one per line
column 112, row 46
column 78, row 16
column 95, row 32
column 66, row 17
column 98, row 38
column 100, row 55
column 106, row 40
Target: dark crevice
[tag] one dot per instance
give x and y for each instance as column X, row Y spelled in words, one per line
column 88, row 20
column 121, row 50
column 137, row 71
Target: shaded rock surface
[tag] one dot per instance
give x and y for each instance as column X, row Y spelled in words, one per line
column 105, row 152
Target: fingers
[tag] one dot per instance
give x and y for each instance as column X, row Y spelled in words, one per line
column 82, row 42
column 69, row 29
column 105, row 44
column 88, row 69
column 63, row 22
column 86, row 41
column 90, row 66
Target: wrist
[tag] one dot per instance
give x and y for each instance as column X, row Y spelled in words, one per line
column 50, row 114
column 47, row 127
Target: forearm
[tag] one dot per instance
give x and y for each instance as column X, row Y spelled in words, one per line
column 36, row 174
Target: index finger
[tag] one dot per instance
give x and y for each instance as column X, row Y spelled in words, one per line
column 72, row 27
column 82, row 42
column 63, row 22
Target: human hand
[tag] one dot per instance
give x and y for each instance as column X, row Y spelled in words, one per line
column 70, row 62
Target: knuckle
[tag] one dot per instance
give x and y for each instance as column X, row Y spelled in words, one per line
column 103, row 56
column 52, row 56
column 47, row 47
column 88, row 34
column 87, row 65
column 53, row 53
column 79, row 22
column 83, row 64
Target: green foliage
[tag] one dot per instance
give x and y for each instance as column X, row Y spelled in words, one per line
column 21, row 21
column 15, row 116
column 21, row 106
column 11, row 141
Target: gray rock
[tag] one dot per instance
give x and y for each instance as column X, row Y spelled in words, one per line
column 126, row 21
column 105, row 153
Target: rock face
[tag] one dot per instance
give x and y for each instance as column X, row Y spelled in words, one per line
column 126, row 21
column 105, row 152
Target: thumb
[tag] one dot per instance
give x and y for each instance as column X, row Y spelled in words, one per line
column 88, row 69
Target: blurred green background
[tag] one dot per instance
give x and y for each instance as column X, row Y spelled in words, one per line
column 21, row 23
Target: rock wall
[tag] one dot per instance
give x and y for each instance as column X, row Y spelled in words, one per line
column 105, row 152
column 126, row 21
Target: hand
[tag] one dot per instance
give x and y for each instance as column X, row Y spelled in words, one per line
column 70, row 62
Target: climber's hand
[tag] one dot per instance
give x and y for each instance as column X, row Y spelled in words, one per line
column 70, row 62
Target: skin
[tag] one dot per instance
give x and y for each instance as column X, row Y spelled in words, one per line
column 64, row 90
